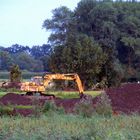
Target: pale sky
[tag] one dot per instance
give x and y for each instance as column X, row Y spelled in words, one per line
column 21, row 20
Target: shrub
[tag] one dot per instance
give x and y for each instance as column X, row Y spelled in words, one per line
column 37, row 108
column 84, row 107
column 103, row 105
column 50, row 107
column 5, row 110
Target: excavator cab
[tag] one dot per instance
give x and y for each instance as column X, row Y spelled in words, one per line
column 38, row 80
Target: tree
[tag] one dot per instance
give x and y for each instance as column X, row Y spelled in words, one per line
column 58, row 25
column 5, row 60
column 16, row 48
column 40, row 51
column 84, row 57
column 27, row 62
column 15, row 74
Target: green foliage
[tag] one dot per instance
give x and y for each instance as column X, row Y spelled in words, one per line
column 27, row 58
column 103, row 106
column 5, row 110
column 68, row 127
column 27, row 62
column 15, row 74
column 59, row 24
column 50, row 108
column 84, row 107
column 84, row 57
column 9, row 90
column 96, row 39
column 5, row 60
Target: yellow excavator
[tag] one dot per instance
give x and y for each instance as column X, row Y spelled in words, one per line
column 39, row 84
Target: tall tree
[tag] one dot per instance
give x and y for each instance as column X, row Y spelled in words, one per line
column 5, row 60
column 58, row 25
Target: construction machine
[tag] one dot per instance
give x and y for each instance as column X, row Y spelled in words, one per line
column 39, row 84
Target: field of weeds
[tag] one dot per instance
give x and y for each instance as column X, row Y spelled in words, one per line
column 54, row 126
column 113, row 118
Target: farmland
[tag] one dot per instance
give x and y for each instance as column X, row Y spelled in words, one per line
column 95, row 47
column 58, row 120
column 112, row 114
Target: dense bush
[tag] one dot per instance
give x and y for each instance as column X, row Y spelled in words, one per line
column 103, row 105
column 5, row 110
column 84, row 107
column 50, row 107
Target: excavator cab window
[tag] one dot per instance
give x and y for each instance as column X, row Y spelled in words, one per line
column 37, row 80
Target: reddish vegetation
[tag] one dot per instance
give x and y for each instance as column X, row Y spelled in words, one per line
column 124, row 99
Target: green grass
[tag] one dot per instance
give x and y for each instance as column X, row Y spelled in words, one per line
column 66, row 94
column 70, row 127
column 22, row 106
column 2, row 93
column 61, row 94
column 11, row 107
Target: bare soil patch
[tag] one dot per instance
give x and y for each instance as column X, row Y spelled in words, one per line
column 124, row 99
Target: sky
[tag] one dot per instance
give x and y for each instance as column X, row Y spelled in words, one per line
column 21, row 20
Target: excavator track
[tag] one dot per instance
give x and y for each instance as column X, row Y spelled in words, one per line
column 40, row 95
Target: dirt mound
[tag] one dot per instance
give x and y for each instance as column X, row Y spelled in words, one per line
column 125, row 98
column 68, row 104
column 7, row 85
column 23, row 112
column 11, row 98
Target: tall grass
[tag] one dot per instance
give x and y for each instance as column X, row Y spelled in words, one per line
column 70, row 127
column 52, row 123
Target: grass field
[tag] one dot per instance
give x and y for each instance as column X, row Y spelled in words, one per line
column 70, row 127
column 61, row 94
column 54, row 125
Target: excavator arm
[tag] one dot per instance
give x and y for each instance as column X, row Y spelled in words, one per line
column 70, row 77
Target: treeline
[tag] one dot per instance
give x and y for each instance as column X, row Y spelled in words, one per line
column 100, row 40
column 33, row 59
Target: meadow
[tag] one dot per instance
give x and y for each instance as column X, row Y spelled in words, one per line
column 54, row 126
column 51, row 123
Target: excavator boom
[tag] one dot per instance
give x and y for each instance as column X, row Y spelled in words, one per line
column 70, row 77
